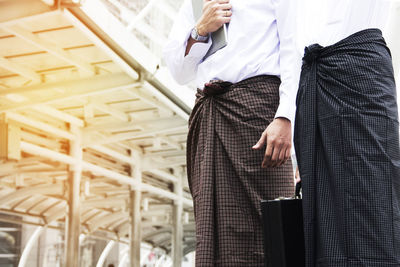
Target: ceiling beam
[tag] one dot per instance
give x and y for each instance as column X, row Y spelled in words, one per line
column 13, row 11
column 105, row 202
column 162, row 174
column 40, row 125
column 178, row 127
column 97, row 85
column 149, row 99
column 99, row 82
column 163, row 163
column 50, row 48
column 52, row 189
column 106, row 220
column 132, row 125
column 120, row 115
column 55, row 113
column 112, row 153
column 19, row 69
column 98, row 170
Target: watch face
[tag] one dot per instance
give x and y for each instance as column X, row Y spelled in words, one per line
column 194, row 34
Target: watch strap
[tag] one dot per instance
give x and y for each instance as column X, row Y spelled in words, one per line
column 196, row 36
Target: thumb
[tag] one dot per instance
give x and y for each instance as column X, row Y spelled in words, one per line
column 260, row 143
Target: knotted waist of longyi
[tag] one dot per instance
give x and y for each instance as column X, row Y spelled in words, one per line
column 216, row 87
column 359, row 40
column 312, row 53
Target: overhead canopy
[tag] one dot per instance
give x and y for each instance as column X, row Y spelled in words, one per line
column 63, row 80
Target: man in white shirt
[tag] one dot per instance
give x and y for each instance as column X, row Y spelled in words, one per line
column 347, row 138
column 246, row 90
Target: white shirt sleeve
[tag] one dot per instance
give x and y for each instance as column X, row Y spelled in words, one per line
column 289, row 57
column 183, row 68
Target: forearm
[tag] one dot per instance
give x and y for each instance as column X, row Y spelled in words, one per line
column 189, row 45
column 289, row 58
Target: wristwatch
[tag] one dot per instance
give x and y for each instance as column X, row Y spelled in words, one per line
column 195, row 35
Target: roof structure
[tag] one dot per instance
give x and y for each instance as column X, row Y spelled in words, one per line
column 90, row 130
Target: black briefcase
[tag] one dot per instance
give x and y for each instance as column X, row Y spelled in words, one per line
column 283, row 232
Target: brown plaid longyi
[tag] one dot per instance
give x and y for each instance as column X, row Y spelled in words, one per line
column 225, row 174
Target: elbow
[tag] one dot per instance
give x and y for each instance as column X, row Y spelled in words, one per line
column 181, row 74
column 181, row 70
column 181, row 79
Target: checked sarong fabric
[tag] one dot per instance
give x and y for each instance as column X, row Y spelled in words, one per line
column 225, row 175
column 347, row 147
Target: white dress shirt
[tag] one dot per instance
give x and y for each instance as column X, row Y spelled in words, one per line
column 328, row 21
column 260, row 41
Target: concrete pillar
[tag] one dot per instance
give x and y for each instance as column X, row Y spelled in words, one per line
column 73, row 216
column 177, row 229
column 135, row 212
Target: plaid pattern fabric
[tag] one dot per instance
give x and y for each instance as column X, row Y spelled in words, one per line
column 347, row 147
column 225, row 175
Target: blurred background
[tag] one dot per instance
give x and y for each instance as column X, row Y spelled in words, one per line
column 92, row 135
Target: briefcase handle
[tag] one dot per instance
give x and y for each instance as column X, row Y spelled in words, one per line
column 297, row 194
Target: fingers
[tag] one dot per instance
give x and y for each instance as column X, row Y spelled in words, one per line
column 278, row 136
column 215, row 14
column 225, row 7
column 223, row 4
column 216, row 7
column 284, row 155
column 268, row 155
column 225, row 13
column 217, row 1
column 288, row 150
column 226, row 20
column 276, row 153
column 281, row 158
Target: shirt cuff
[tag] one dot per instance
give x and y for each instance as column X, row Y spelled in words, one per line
column 286, row 110
column 199, row 50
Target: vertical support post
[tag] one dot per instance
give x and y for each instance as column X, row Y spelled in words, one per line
column 73, row 217
column 135, row 212
column 177, row 229
column 3, row 137
column 10, row 139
